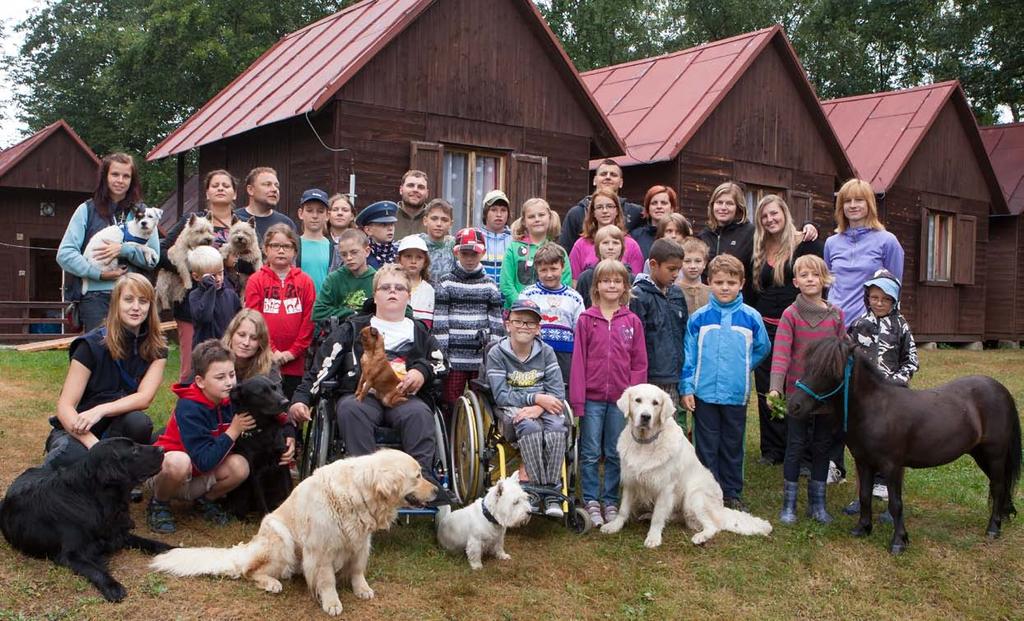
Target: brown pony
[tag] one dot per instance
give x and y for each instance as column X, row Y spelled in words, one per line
column 890, row 427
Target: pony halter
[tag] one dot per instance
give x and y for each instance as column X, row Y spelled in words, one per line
column 843, row 385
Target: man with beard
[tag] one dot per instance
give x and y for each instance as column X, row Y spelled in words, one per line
column 608, row 175
column 414, row 193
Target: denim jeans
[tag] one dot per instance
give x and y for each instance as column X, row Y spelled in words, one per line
column 92, row 309
column 600, row 428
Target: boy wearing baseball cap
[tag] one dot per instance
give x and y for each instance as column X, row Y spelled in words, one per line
column 497, row 234
column 526, row 382
column 316, row 251
column 467, row 313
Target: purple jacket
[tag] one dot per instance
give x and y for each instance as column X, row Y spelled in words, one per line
column 853, row 257
column 607, row 357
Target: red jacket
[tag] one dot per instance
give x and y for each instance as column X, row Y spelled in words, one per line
column 288, row 309
column 197, row 427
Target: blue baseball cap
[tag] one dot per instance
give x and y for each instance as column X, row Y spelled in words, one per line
column 525, row 305
column 383, row 212
column 314, row 194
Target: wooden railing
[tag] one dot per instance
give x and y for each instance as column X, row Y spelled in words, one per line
column 17, row 313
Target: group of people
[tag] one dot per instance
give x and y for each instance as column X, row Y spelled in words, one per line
column 546, row 314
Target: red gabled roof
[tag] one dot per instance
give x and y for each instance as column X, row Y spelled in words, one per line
column 881, row 131
column 658, row 104
column 306, row 68
column 10, row 157
column 1005, row 147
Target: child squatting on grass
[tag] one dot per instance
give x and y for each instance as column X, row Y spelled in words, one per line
column 198, row 462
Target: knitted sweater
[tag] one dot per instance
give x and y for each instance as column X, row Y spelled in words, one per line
column 802, row 324
column 559, row 311
column 467, row 316
column 518, row 271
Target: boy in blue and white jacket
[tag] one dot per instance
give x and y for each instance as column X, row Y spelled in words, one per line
column 724, row 341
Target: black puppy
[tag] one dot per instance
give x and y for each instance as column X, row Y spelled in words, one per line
column 78, row 516
column 269, row 482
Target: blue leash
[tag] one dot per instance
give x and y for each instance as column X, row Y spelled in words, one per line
column 844, row 386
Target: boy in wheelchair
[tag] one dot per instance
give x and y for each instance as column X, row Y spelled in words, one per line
column 527, row 388
column 411, row 351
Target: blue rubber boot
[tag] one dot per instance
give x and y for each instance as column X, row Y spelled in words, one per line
column 816, row 502
column 790, row 489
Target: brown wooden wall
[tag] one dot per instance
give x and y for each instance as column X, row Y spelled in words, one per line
column 1004, row 279
column 944, row 162
column 58, row 163
column 472, row 59
column 764, row 120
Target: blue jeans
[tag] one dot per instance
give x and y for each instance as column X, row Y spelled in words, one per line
column 600, row 428
column 92, row 309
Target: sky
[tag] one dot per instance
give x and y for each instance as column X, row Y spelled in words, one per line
column 11, row 13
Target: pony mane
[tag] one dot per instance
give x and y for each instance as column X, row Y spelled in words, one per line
column 828, row 357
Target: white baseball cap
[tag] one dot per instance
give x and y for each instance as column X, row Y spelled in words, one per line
column 412, row 242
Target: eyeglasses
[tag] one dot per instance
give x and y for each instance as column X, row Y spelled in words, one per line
column 605, row 207
column 397, row 288
column 519, row 323
column 350, row 253
column 275, row 246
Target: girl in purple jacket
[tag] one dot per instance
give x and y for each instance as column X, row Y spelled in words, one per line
column 608, row 356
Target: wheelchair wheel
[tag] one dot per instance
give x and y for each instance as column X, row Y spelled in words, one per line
column 317, row 441
column 465, row 447
column 578, row 521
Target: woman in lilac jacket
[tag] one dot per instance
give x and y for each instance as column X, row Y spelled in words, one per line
column 860, row 247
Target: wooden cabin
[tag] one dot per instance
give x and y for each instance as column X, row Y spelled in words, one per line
column 1004, row 319
column 739, row 109
column 42, row 180
column 921, row 148
column 477, row 93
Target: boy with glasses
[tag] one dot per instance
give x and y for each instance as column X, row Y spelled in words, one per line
column 346, row 288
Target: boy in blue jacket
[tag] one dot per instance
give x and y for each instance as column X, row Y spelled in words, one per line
column 198, row 463
column 724, row 341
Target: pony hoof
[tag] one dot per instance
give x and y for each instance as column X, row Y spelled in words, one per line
column 897, row 549
column 992, row 535
column 861, row 531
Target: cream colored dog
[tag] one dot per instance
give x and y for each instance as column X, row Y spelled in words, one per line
column 660, row 471
column 323, row 528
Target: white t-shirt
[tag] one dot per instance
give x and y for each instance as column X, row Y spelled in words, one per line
column 422, row 302
column 399, row 337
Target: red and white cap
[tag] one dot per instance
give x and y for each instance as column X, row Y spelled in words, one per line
column 470, row 239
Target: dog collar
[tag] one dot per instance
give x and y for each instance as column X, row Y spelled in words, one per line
column 128, row 237
column 487, row 514
column 648, row 440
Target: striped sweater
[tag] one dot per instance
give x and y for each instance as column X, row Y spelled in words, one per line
column 467, row 316
column 559, row 311
column 802, row 323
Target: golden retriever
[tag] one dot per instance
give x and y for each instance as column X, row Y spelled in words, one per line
column 660, row 471
column 323, row 528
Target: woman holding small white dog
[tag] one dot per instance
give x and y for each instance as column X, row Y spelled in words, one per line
column 118, row 193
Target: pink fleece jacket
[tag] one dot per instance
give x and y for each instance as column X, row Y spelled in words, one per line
column 607, row 357
column 583, row 256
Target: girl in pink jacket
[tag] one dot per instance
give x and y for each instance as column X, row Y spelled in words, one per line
column 608, row 356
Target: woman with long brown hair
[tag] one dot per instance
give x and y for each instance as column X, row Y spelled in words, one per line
column 605, row 208
column 113, row 377
column 777, row 245
column 118, row 192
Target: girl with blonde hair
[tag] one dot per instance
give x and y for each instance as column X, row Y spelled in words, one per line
column 538, row 225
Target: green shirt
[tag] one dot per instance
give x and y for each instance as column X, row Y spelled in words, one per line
column 343, row 293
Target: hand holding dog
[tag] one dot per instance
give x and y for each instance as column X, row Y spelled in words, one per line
column 85, row 420
column 412, row 382
column 239, row 425
column 113, row 274
column 299, row 413
column 109, row 251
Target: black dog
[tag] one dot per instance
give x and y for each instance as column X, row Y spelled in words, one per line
column 269, row 482
column 78, row 516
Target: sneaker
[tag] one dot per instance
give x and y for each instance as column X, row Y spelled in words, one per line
column 736, row 504
column 853, row 508
column 159, row 517
column 835, row 475
column 768, row 460
column 211, row 511
column 610, row 513
column 553, row 507
column 594, row 511
column 880, row 490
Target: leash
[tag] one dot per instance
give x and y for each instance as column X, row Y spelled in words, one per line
column 648, row 440
column 844, row 386
column 487, row 514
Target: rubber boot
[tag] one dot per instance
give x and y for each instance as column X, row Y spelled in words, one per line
column 790, row 490
column 816, row 502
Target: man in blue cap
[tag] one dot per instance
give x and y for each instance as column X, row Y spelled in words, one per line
column 316, row 251
column 378, row 222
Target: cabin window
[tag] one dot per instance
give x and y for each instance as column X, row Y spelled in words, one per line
column 939, row 246
column 754, row 194
column 468, row 177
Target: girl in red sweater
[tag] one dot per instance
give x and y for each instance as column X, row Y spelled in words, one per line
column 810, row 318
column 284, row 295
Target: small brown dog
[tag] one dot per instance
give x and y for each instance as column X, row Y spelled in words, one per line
column 376, row 371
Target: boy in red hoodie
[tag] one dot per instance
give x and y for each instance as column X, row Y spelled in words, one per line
column 198, row 464
column 284, row 295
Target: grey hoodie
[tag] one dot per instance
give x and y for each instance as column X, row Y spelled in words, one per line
column 514, row 382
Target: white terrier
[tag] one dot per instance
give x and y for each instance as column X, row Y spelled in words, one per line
column 134, row 232
column 480, row 527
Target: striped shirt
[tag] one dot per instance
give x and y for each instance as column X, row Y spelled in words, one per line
column 802, row 323
column 467, row 316
column 497, row 246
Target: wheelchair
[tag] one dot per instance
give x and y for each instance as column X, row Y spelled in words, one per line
column 483, row 448
column 323, row 444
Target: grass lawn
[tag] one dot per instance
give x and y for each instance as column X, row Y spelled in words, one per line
column 804, row 571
